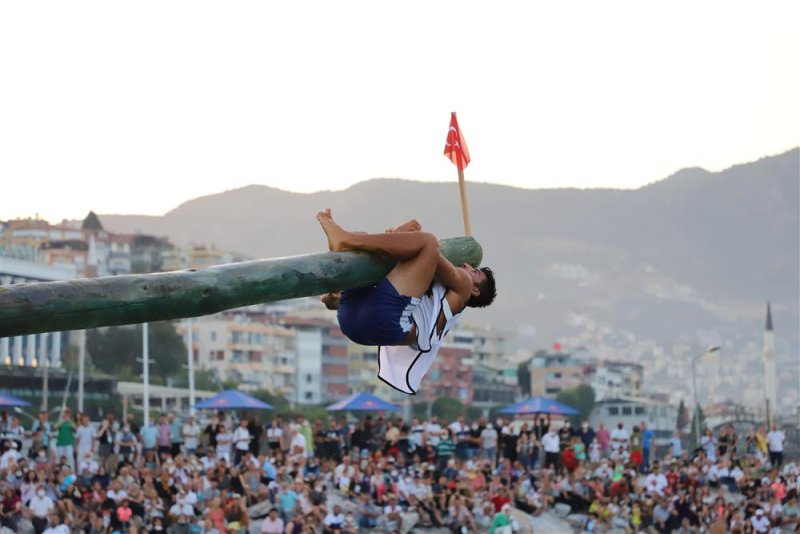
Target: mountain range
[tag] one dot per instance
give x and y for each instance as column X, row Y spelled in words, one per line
column 694, row 251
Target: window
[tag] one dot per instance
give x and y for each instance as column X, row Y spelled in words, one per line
column 308, row 379
column 213, row 336
column 309, row 395
column 613, row 410
column 639, row 410
column 626, row 410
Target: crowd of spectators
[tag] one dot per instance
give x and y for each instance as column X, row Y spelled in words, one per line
column 384, row 474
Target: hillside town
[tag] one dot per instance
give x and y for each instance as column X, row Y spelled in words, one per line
column 301, row 469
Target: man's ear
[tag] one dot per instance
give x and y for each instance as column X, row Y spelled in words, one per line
column 475, row 291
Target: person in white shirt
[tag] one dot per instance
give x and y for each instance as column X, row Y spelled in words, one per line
column 40, row 506
column 434, row 431
column 272, row 524
column 117, row 493
column 551, row 444
column 760, row 522
column 489, row 442
column 391, row 514
column 56, row 525
column 274, row 435
column 241, row 440
column 335, row 519
column 11, row 454
column 298, row 446
column 88, row 465
column 223, row 444
column 344, row 469
column 190, row 433
column 181, row 507
column 656, row 482
column 85, row 436
column 620, row 438
column 775, row 441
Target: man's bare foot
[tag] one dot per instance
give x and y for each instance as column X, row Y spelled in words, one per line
column 333, row 231
column 331, row 300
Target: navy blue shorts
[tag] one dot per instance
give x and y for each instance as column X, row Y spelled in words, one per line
column 375, row 315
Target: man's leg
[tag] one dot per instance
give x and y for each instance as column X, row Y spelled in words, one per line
column 417, row 253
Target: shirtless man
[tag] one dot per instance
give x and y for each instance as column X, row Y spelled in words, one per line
column 407, row 313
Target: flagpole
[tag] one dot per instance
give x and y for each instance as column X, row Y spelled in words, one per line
column 462, row 187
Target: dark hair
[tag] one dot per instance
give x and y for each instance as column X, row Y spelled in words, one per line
column 487, row 289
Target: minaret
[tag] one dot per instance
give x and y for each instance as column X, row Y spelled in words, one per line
column 770, row 382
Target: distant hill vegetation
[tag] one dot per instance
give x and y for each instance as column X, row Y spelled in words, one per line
column 696, row 248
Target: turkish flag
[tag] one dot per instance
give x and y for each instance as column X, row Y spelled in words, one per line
column 456, row 148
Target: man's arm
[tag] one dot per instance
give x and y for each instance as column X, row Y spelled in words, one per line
column 453, row 278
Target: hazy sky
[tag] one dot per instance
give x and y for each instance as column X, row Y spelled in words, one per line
column 135, row 107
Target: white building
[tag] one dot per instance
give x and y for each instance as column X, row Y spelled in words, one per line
column 35, row 349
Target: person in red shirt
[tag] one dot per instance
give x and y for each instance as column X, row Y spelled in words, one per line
column 500, row 498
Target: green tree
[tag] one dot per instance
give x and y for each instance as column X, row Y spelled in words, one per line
column 524, row 378
column 447, row 408
column 278, row 401
column 683, row 417
column 694, row 438
column 581, row 398
column 116, row 347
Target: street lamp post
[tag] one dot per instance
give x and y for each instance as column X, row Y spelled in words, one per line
column 694, row 394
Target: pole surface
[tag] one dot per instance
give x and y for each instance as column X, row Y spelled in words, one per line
column 462, row 188
column 141, row 298
column 146, row 374
column 190, row 364
column 696, row 406
column 81, row 369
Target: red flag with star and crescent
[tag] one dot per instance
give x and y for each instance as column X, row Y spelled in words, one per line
column 456, row 148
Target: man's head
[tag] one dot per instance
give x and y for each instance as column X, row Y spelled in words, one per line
column 483, row 288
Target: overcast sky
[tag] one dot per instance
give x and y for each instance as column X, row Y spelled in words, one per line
column 135, row 107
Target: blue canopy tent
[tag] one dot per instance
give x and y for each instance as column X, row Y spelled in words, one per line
column 539, row 405
column 8, row 401
column 232, row 400
column 363, row 402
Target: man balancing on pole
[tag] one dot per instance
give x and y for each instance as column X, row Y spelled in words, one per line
column 407, row 313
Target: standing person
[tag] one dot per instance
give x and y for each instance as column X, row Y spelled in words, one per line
column 164, row 437
column 775, row 441
column 489, row 443
column 241, row 441
column 42, row 425
column 85, row 436
column 444, row 451
column 211, row 431
column 223, row 447
column 587, row 434
column 565, row 434
column 648, row 446
column 105, row 441
column 274, row 434
column 676, row 447
column 552, row 449
column 65, row 438
column 191, row 435
column 305, row 430
column 636, row 448
column 126, row 442
column 461, row 433
column 603, row 438
column 149, row 437
column 256, row 432
column 175, row 434
column 433, row 431
column 619, row 441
